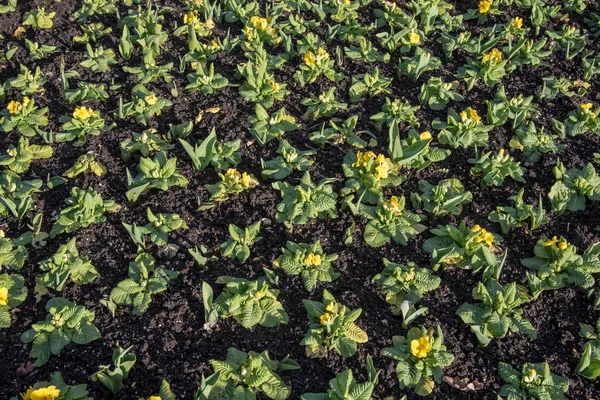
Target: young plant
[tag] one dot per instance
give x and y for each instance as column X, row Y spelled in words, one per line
column 24, row 117
column 113, row 378
column 99, row 59
column 316, row 63
column 260, row 86
column 85, row 162
column 308, row 261
column 12, row 293
column 66, row 323
column 491, row 68
column 266, row 127
column 499, row 312
column 250, row 303
column 13, row 252
column 463, row 247
column 494, row 169
column 518, row 109
column 84, row 122
column 164, row 392
column 583, row 120
column 534, row 381
column 570, row 39
column 573, row 187
column 464, row 130
column 160, row 173
column 84, row 208
column 16, row 194
column 422, row 61
column 300, row 204
column 145, row 279
column 66, row 264
column 147, row 73
column 143, row 106
column 403, row 286
column 521, row 214
column 331, row 327
column 369, row 84
column 534, row 143
column 420, row 357
column 342, row 133
column 288, row 160
column 324, row 105
column 38, row 18
column 207, row 82
column 437, row 94
column 232, row 183
column 396, row 111
column 447, row 197
column 241, row 241
column 414, row 152
column 145, row 143
column 55, row 389
column 221, row 156
column 245, row 375
column 29, row 83
column 160, row 225
column 86, row 92
column 556, row 264
column 19, row 158
column 589, row 364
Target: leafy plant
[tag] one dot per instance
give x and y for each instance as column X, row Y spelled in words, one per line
column 437, row 94
column 55, row 389
column 288, row 160
column 491, row 68
column 29, row 83
column 260, row 86
column 447, row 197
column 113, row 378
column 518, row 109
column 160, row 225
column 66, row 264
column 98, row 59
column 301, row 203
column 207, row 82
column 160, row 173
column 16, row 194
column 533, row 142
column 84, row 122
column 241, row 241
column 232, row 183
column 493, row 169
column 403, row 286
column 589, row 364
column 464, row 130
column 266, row 127
column 369, row 84
column 12, row 293
column 211, row 152
column 420, row 357
column 84, row 208
column 19, row 158
column 66, row 323
column 317, row 62
column 86, row 162
column 582, row 120
column 144, row 280
column 509, row 217
column 324, row 105
column 342, row 133
column 146, row 142
column 38, row 18
column 415, row 151
column 308, row 261
column 332, row 327
column 573, row 187
column 534, row 381
column 24, row 117
column 143, row 106
column 397, row 111
column 13, row 253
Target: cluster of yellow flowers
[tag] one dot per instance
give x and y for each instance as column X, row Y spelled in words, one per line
column 3, row 296
column 393, row 205
column 83, row 113
column 484, row 6
column 383, row 164
column 420, row 347
column 150, row 99
column 530, row 377
column 14, row 106
column 414, row 38
column 260, row 24
column 494, row 56
column 47, row 393
column 192, row 20
column 409, row 275
column 561, row 243
column 233, row 176
column 313, row 259
column 587, row 108
column 470, row 115
column 329, row 314
column 484, row 236
column 311, row 58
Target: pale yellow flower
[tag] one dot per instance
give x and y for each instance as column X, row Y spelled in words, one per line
column 3, row 296
column 484, row 6
column 551, row 242
column 476, row 228
column 83, row 113
column 313, row 259
column 47, row 393
column 309, row 58
column 325, row 319
column 190, row 19
column 586, row 106
column 393, row 205
column 420, row 347
column 150, row 99
column 530, row 377
column 425, row 135
column 154, row 398
column 248, row 181
column 414, row 38
column 14, row 107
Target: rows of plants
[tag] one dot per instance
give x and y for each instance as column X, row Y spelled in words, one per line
column 342, row 199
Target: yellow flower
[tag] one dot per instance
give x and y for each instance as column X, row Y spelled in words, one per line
column 325, row 319
column 501, row 152
column 362, row 159
column 259, row 295
column 209, row 24
column 276, row 86
column 586, row 106
column 83, row 113
column 150, row 99
column 26, row 100
column 154, row 398
column 259, row 23
column 313, row 259
column 382, row 170
column 563, row 244
column 493, row 56
column 551, row 242
column 485, row 237
column 215, row 45
column 330, row 307
column 190, row 19
column 530, row 377
column 409, row 275
column 3, row 296
column 233, row 174
column 425, row 135
column 474, row 116
column 393, row 205
column 20, row 31
column 47, row 393
column 309, row 58
column 248, row 181
column 476, row 228
column 346, row 2
column 414, row 38
column 484, row 6
column 14, row 107
column 518, row 22
column 420, row 347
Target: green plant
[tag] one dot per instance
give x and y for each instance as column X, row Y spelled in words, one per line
column 241, row 241
column 37, row 51
column 164, row 392
column 345, row 387
column 464, row 130
column 206, row 81
column 369, row 84
column 99, row 59
column 260, row 86
column 420, row 357
column 147, row 73
column 463, row 247
column 491, row 68
column 16, row 194
column 299, row 204
column 509, row 217
column 211, row 152
column 160, row 225
column 12, row 293
column 534, row 143
column 244, row 375
column 582, row 120
column 437, row 94
column 518, row 109
column 85, row 162
column 232, row 183
column 422, row 61
column 415, row 151
column 55, row 389
column 589, row 364
column 288, row 160
column 499, row 311
column 493, row 169
column 94, row 7
column 447, row 197
column 29, row 83
column 332, row 327
column 556, row 264
column 84, row 208
column 86, row 92
column 13, row 253
column 66, row 323
column 66, row 264
column 25, row 117
column 324, row 105
column 250, row 303
column 84, row 122
column 397, row 111
column 91, row 33
column 143, row 106
column 38, row 18
column 534, row 381
column 308, row 261
column 160, row 173
column 342, row 133
column 144, row 280
column 316, row 63
column 19, row 158
column 570, row 39
column 113, row 378
column 266, row 127
column 573, row 187
column 403, row 286
column 146, row 142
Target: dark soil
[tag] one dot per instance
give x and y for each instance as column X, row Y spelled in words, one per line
column 169, row 339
